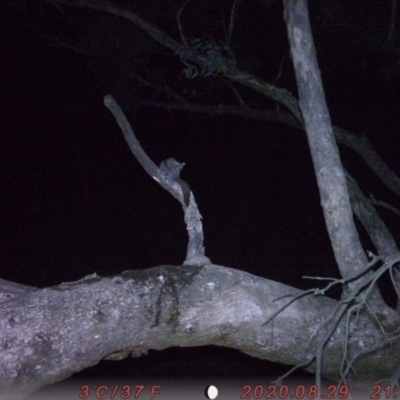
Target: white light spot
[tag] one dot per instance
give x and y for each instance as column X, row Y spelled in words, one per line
column 211, row 392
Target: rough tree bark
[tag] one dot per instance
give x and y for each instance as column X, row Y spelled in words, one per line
column 48, row 334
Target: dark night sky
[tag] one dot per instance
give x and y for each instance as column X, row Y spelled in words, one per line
column 75, row 201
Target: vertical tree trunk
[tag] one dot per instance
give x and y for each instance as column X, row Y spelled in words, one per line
column 330, row 174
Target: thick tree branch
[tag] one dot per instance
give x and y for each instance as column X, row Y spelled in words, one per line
column 50, row 333
column 9, row 290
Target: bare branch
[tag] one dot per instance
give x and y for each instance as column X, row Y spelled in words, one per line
column 223, row 109
column 168, row 177
column 234, row 9
column 393, row 209
column 180, row 26
column 370, row 219
column 363, row 147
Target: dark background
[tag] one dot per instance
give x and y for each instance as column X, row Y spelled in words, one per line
column 74, row 200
